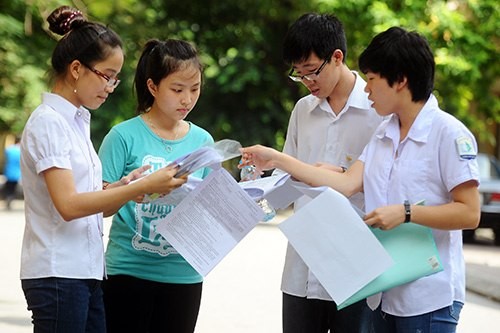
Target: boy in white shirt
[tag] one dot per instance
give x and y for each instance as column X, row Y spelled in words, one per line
column 330, row 125
column 419, row 152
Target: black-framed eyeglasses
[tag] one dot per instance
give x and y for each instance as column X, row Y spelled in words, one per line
column 309, row 77
column 111, row 82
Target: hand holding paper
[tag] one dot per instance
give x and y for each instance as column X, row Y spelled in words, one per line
column 208, row 156
column 161, row 181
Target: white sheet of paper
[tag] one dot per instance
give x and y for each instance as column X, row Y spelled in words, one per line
column 286, row 194
column 210, row 221
column 336, row 244
column 175, row 197
column 200, row 158
column 261, row 187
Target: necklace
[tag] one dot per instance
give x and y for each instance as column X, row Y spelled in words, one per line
column 168, row 146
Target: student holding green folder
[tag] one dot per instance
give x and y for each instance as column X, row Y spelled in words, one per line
column 418, row 152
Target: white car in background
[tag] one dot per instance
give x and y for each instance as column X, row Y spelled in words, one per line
column 489, row 188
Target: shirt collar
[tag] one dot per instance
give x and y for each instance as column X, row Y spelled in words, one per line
column 357, row 98
column 65, row 108
column 420, row 128
column 422, row 125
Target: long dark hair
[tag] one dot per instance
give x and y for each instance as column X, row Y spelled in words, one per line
column 158, row 60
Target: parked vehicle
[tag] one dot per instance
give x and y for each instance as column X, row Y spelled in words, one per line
column 489, row 188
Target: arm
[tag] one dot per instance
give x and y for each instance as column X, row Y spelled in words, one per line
column 265, row 158
column 71, row 204
column 134, row 175
column 330, row 167
column 462, row 212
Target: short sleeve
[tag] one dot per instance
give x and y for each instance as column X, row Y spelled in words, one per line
column 113, row 155
column 290, row 146
column 48, row 142
column 458, row 165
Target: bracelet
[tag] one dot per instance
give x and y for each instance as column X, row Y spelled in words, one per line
column 407, row 211
column 105, row 186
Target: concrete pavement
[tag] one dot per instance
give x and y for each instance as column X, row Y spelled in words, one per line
column 242, row 293
column 483, row 265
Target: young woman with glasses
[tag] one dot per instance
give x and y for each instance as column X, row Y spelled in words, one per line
column 62, row 261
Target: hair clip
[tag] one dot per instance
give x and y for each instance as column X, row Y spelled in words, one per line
column 70, row 18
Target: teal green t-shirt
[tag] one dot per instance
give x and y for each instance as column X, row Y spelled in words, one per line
column 134, row 246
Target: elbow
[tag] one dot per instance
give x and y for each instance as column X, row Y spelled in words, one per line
column 473, row 219
column 67, row 213
column 109, row 213
column 70, row 209
column 351, row 189
column 67, row 216
column 349, row 192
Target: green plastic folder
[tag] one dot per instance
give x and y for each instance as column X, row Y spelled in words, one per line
column 415, row 255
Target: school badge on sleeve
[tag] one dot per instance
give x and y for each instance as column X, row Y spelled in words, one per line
column 465, row 148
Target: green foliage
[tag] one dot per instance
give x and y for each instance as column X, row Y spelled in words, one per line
column 246, row 94
column 18, row 79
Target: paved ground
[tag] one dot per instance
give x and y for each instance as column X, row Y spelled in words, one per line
column 241, row 295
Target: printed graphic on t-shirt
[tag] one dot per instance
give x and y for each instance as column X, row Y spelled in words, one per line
column 147, row 217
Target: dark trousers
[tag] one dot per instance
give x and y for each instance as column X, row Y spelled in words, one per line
column 142, row 306
column 9, row 192
column 303, row 315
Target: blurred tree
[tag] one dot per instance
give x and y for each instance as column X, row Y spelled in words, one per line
column 247, row 95
column 464, row 37
column 22, row 65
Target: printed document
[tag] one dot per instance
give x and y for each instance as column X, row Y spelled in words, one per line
column 210, row 221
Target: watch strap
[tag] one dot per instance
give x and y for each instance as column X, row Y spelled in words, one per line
column 407, row 211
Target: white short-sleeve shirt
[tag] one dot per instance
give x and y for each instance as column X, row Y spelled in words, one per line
column 437, row 155
column 57, row 134
column 316, row 134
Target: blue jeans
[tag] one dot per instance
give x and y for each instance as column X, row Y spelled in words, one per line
column 65, row 305
column 443, row 320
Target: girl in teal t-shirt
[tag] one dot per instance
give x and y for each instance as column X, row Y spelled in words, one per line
column 150, row 287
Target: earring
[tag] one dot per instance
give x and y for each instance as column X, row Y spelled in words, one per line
column 74, row 90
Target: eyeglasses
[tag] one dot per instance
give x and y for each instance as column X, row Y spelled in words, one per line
column 310, row 76
column 111, row 82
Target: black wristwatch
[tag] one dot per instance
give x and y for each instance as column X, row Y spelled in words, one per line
column 407, row 211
